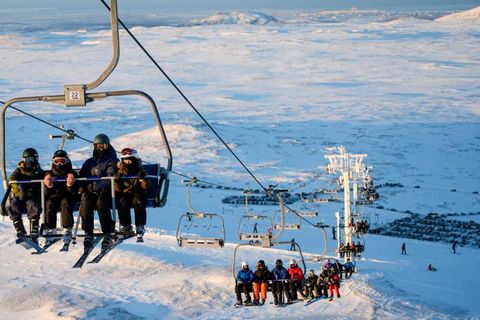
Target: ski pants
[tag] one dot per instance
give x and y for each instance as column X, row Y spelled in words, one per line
column 295, row 285
column 18, row 207
column 348, row 273
column 260, row 287
column 311, row 290
column 137, row 200
column 331, row 287
column 64, row 204
column 102, row 202
column 323, row 290
column 278, row 288
column 245, row 288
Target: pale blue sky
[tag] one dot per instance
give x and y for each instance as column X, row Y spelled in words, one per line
column 245, row 4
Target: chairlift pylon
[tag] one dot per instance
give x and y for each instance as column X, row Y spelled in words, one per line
column 213, row 233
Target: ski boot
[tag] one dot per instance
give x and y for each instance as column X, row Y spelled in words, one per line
column 21, row 232
column 87, row 242
column 107, row 241
column 34, row 230
column 140, row 233
column 67, row 237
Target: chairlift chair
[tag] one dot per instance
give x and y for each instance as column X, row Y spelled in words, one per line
column 209, row 227
column 79, row 95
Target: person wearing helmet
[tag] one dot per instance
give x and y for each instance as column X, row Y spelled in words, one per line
column 311, row 289
column 296, row 279
column 26, row 196
column 243, row 283
column 60, row 196
column 131, row 192
column 260, row 283
column 97, row 194
column 280, row 283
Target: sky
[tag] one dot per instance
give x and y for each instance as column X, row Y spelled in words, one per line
column 247, row 4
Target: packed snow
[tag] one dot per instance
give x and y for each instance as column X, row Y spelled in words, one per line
column 403, row 90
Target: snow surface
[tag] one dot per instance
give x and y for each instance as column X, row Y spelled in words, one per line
column 406, row 91
column 464, row 15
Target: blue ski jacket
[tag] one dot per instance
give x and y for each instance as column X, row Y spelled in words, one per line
column 279, row 274
column 245, row 276
column 100, row 167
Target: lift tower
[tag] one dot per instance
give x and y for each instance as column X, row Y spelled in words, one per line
column 348, row 165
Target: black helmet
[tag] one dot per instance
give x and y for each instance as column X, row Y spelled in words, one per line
column 101, row 139
column 60, row 154
column 30, row 158
column 30, row 152
column 60, row 158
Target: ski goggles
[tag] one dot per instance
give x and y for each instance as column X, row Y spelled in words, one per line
column 60, row 161
column 30, row 159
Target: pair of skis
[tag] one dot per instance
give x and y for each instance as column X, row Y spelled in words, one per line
column 28, row 243
column 106, row 249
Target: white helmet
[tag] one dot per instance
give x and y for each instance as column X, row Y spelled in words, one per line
column 244, row 264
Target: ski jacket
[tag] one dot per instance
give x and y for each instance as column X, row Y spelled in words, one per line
column 130, row 185
column 261, row 275
column 26, row 191
column 99, row 166
column 295, row 273
column 334, row 279
column 311, row 279
column 60, row 188
column 245, row 276
column 279, row 274
column 348, row 266
column 323, row 278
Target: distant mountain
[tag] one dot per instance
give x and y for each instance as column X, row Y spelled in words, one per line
column 253, row 18
column 464, row 15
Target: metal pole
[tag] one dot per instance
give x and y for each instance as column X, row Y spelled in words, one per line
column 337, row 215
column 346, row 203
column 114, row 205
column 42, row 203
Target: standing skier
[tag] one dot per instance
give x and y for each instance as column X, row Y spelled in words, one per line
column 97, row 194
column 454, row 246
column 132, row 192
column 244, row 281
column 60, row 196
column 404, row 249
column 26, row 196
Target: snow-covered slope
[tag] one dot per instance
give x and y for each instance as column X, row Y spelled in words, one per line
column 255, row 18
column 472, row 14
column 281, row 95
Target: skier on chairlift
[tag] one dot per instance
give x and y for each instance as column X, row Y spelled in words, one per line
column 97, row 194
column 280, row 283
column 260, row 283
column 26, row 196
column 296, row 280
column 60, row 196
column 244, row 281
column 131, row 192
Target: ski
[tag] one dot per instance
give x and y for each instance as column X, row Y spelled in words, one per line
column 46, row 246
column 28, row 243
column 309, row 302
column 84, row 256
column 109, row 248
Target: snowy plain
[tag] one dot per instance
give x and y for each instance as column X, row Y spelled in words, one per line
column 402, row 87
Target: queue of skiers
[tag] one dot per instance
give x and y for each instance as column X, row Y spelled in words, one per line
column 63, row 191
column 286, row 284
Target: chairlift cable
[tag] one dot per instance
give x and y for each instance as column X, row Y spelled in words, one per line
column 185, row 98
